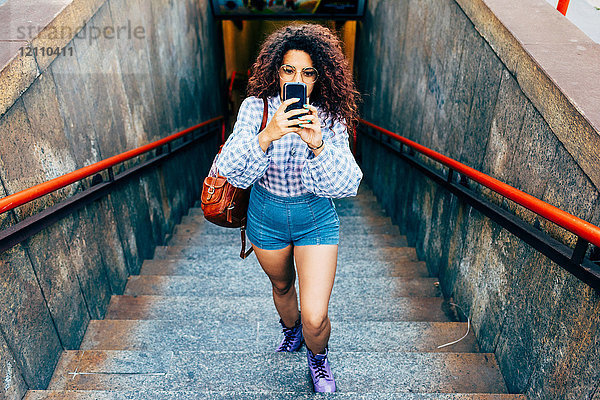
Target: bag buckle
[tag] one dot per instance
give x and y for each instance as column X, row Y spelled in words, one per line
column 211, row 191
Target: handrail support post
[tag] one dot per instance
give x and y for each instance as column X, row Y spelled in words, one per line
column 450, row 175
column 581, row 248
column 111, row 174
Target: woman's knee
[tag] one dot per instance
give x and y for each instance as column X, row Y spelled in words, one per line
column 314, row 322
column 282, row 288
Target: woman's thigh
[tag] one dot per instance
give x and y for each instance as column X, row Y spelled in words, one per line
column 316, row 265
column 278, row 265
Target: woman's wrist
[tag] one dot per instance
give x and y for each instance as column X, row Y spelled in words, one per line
column 264, row 140
column 316, row 147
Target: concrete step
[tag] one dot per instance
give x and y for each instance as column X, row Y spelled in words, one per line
column 243, row 395
column 183, row 308
column 345, row 229
column 363, row 189
column 265, row 335
column 353, row 233
column 363, row 203
column 342, row 212
column 351, row 241
column 272, row 371
column 344, row 220
column 234, row 267
column 362, row 197
column 219, row 254
column 258, row 285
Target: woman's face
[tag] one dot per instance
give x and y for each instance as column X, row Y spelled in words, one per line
column 298, row 59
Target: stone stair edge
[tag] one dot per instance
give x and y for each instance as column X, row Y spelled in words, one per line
column 268, row 296
column 157, row 307
column 379, row 248
column 104, row 375
column 230, row 395
column 192, row 321
column 196, row 334
column 268, row 352
column 345, row 278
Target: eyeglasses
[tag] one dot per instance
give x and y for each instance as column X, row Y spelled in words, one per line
column 288, row 72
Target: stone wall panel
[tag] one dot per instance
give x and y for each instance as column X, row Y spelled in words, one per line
column 13, row 387
column 505, row 132
column 52, row 146
column 132, row 58
column 25, row 320
column 81, row 237
column 525, row 330
column 133, row 221
column 452, row 59
column 462, row 99
column 75, row 110
column 485, row 94
column 21, row 157
column 59, row 281
column 570, row 355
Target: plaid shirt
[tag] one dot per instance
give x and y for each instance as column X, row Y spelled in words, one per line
column 289, row 167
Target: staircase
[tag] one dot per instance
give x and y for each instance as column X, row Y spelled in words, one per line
column 199, row 323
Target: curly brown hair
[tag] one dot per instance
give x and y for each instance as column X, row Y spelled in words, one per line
column 334, row 92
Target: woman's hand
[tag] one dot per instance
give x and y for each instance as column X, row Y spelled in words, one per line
column 311, row 129
column 279, row 125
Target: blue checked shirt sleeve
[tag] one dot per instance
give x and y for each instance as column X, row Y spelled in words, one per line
column 241, row 160
column 334, row 173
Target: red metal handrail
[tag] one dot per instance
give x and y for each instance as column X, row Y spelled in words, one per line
column 15, row 200
column 562, row 6
column 576, row 225
column 230, row 91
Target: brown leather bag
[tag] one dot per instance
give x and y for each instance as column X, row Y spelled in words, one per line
column 225, row 205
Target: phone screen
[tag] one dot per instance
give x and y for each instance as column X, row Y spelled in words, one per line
column 297, row 90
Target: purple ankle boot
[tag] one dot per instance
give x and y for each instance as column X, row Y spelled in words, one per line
column 320, row 371
column 292, row 337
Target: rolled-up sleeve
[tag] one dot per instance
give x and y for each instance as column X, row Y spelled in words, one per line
column 241, row 160
column 334, row 173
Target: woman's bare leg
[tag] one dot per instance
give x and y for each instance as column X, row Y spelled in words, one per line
column 316, row 272
column 279, row 267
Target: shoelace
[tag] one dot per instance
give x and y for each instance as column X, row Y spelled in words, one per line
column 288, row 337
column 320, row 367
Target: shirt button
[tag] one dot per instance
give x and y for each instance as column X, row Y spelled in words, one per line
column 293, row 151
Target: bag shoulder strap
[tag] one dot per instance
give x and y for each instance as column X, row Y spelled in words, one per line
column 244, row 253
column 263, row 124
column 265, row 115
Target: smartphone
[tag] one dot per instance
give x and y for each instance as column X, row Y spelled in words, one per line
column 297, row 90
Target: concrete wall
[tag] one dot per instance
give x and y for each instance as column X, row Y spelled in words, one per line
column 455, row 76
column 101, row 98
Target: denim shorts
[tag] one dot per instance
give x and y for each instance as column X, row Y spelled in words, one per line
column 275, row 222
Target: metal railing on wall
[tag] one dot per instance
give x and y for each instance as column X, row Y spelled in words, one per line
column 562, row 6
column 457, row 181
column 100, row 185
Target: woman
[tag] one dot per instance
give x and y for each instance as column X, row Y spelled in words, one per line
column 296, row 166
